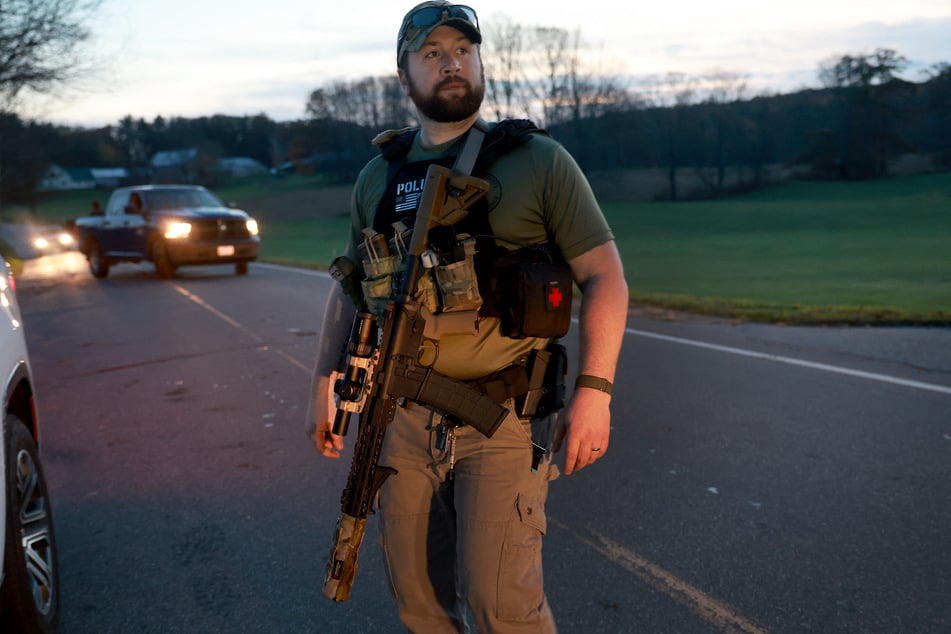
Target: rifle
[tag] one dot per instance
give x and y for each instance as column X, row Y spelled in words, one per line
column 381, row 375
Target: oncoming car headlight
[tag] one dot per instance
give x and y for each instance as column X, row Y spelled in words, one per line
column 53, row 241
column 252, row 226
column 65, row 239
column 177, row 229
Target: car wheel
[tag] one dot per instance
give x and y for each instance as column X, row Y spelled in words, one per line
column 29, row 598
column 241, row 268
column 164, row 268
column 98, row 263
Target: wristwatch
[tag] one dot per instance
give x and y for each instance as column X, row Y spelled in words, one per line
column 594, row 382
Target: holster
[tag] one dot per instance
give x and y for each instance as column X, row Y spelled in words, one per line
column 546, row 370
column 536, row 383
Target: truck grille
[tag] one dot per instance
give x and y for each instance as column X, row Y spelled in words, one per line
column 216, row 230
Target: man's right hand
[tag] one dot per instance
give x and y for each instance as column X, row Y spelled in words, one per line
column 327, row 443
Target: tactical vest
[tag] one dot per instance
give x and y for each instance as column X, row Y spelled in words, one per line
column 527, row 286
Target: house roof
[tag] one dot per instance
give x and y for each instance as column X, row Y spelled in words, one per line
column 240, row 163
column 109, row 172
column 173, row 158
column 80, row 174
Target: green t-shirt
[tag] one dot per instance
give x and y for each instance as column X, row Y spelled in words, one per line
column 537, row 193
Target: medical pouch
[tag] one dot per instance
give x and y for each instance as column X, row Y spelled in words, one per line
column 535, row 299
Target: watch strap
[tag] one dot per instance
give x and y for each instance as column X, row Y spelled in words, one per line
column 594, row 382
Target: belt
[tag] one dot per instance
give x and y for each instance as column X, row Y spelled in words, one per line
column 501, row 385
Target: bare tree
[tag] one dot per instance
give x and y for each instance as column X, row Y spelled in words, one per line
column 397, row 110
column 552, row 59
column 547, row 74
column 39, row 45
column 722, row 88
column 503, row 57
column 581, row 93
column 374, row 102
column 669, row 96
column 39, row 40
column 591, row 90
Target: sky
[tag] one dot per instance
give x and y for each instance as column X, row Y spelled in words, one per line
column 193, row 58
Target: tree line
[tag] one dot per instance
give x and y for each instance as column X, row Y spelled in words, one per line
column 863, row 115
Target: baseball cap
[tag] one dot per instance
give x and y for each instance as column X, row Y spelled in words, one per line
column 420, row 21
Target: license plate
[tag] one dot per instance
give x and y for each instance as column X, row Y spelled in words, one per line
column 225, row 250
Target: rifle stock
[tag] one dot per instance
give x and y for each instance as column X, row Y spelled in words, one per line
column 395, row 370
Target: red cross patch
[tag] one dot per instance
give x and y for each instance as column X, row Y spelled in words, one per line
column 554, row 296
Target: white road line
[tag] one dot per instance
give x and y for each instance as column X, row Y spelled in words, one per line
column 292, row 269
column 293, row 361
column 871, row 376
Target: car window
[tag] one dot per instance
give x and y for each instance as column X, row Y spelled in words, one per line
column 204, row 198
column 135, row 205
column 117, row 203
column 182, row 198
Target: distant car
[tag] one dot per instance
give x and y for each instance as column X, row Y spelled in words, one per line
column 170, row 226
column 52, row 239
column 29, row 570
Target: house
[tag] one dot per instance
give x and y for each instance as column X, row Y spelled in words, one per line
column 175, row 166
column 57, row 178
column 109, row 177
column 238, row 166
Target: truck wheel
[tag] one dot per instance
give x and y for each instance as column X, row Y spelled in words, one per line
column 98, row 263
column 241, row 268
column 30, row 593
column 164, row 268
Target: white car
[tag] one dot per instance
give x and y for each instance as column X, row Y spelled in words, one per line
column 29, row 578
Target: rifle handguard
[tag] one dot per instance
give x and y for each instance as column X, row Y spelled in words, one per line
column 342, row 566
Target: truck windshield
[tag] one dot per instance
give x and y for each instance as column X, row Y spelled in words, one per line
column 182, row 198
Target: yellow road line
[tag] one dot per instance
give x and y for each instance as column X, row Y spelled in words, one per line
column 220, row 315
column 717, row 613
column 214, row 311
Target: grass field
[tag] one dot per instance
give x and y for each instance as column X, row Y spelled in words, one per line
column 803, row 252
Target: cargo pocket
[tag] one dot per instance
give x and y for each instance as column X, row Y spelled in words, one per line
column 521, row 588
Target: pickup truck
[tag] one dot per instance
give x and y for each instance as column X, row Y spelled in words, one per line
column 168, row 225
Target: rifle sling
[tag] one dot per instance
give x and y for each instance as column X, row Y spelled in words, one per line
column 466, row 159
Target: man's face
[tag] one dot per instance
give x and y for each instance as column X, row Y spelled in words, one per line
column 445, row 78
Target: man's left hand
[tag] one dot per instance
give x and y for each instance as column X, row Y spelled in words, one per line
column 585, row 428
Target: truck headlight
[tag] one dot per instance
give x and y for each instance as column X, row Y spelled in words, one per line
column 252, row 225
column 178, row 230
column 65, row 239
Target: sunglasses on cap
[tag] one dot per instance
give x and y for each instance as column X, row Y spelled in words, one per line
column 418, row 21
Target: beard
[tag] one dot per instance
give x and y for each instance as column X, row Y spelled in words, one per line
column 448, row 109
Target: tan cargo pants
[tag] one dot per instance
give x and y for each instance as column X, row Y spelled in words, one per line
column 470, row 539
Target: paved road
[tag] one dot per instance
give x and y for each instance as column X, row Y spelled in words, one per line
column 759, row 478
